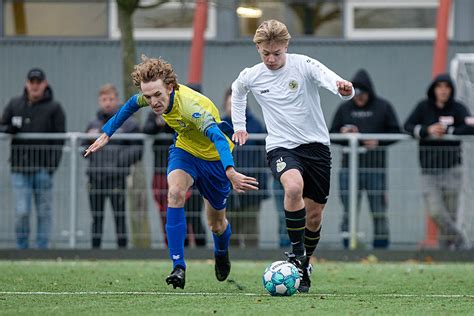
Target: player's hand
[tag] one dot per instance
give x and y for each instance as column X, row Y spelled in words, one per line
column 241, row 182
column 240, row 137
column 344, row 87
column 98, row 144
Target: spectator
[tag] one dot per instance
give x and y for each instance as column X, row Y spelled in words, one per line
column 244, row 209
column 33, row 162
column 366, row 113
column 440, row 159
column 154, row 125
column 109, row 168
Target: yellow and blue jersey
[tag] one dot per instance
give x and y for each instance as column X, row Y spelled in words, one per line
column 190, row 114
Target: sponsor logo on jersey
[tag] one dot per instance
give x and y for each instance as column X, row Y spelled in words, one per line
column 264, row 91
column 293, row 85
column 196, row 115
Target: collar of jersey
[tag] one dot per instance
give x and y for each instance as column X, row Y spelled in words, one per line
column 170, row 105
column 279, row 69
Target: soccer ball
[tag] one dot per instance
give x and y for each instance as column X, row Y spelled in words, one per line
column 281, row 278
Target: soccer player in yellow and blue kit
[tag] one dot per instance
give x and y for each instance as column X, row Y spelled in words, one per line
column 201, row 155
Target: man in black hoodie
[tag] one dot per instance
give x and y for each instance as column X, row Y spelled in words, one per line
column 108, row 169
column 366, row 113
column 33, row 162
column 440, row 159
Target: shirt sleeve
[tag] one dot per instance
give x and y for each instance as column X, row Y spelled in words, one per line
column 239, row 101
column 414, row 126
column 220, row 141
column 125, row 111
column 325, row 77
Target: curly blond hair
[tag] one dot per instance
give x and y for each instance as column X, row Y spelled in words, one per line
column 151, row 69
column 272, row 31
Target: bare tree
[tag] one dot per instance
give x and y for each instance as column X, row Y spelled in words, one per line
column 136, row 184
column 126, row 9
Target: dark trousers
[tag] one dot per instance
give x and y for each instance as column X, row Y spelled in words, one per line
column 373, row 181
column 112, row 188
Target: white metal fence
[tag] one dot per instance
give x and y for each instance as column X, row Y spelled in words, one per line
column 255, row 218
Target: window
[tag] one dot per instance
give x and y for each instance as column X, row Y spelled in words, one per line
column 55, row 18
column 321, row 18
column 171, row 20
column 382, row 19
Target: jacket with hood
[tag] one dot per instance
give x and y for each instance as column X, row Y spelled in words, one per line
column 377, row 116
column 438, row 153
column 116, row 158
column 43, row 116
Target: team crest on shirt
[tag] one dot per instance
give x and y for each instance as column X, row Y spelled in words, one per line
column 293, row 85
column 280, row 164
column 181, row 123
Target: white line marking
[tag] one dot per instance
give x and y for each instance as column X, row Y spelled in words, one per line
column 233, row 294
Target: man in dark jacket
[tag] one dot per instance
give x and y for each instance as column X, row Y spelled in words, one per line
column 109, row 168
column 440, row 159
column 33, row 162
column 244, row 209
column 367, row 113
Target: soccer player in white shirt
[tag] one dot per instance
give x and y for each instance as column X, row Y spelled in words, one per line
column 286, row 87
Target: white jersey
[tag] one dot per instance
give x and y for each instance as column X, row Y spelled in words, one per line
column 289, row 99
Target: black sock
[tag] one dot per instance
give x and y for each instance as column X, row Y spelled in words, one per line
column 311, row 240
column 295, row 225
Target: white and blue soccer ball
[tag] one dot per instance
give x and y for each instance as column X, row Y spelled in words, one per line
column 281, row 278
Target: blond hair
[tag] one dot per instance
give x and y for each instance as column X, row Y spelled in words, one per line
column 108, row 88
column 151, row 69
column 272, row 31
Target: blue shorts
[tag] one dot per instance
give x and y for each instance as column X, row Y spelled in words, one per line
column 209, row 176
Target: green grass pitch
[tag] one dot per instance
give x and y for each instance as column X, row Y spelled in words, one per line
column 138, row 288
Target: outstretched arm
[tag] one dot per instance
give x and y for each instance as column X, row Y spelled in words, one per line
column 130, row 107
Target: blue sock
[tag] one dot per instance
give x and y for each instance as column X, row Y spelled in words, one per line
column 221, row 242
column 176, row 232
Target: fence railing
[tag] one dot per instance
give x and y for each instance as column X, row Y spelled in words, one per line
column 390, row 171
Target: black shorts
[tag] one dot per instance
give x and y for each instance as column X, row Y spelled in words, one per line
column 314, row 163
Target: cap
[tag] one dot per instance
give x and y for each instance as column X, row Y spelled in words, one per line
column 36, row 73
column 358, row 91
